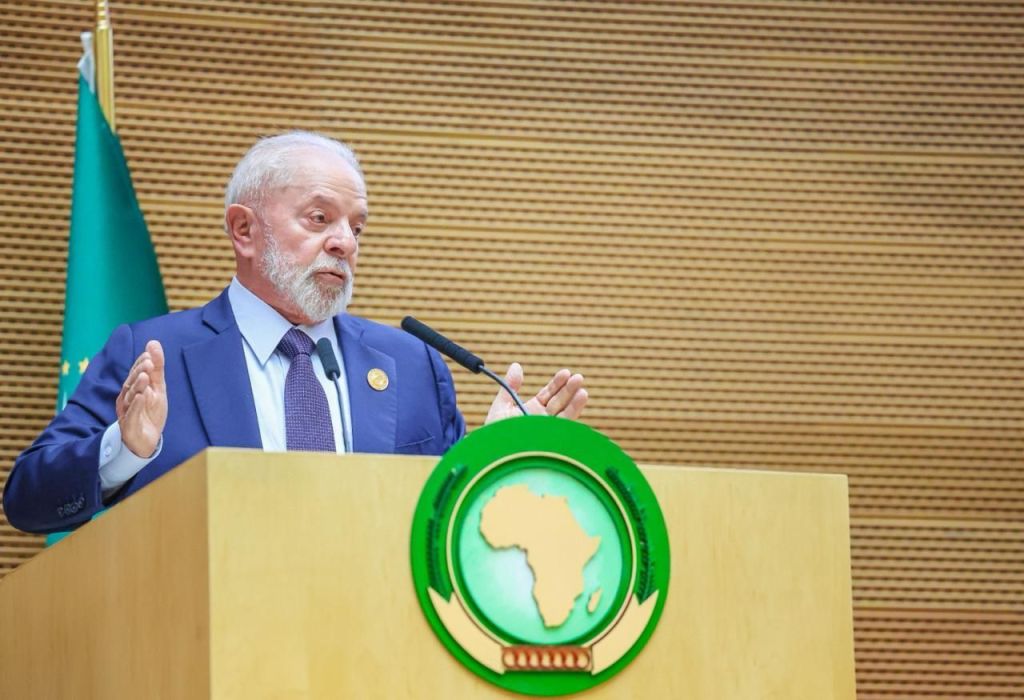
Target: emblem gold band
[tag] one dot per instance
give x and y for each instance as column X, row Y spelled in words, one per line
column 546, row 658
column 605, row 651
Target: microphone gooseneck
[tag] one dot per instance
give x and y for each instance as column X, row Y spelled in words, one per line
column 504, row 385
column 458, row 353
column 332, row 369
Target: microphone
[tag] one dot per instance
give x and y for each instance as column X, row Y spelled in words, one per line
column 444, row 346
column 458, row 353
column 328, row 359
column 333, row 370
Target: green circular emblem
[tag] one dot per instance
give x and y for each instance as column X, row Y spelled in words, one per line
column 540, row 556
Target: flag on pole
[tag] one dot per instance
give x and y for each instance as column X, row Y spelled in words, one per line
column 112, row 271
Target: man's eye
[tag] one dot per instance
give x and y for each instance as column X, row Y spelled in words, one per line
column 318, row 218
column 357, row 230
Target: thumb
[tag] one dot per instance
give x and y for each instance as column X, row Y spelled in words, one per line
column 514, row 376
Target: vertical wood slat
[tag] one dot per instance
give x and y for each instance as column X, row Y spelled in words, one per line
column 776, row 235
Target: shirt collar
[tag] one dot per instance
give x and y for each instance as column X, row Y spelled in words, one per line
column 263, row 327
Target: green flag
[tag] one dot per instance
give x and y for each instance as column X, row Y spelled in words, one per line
column 112, row 273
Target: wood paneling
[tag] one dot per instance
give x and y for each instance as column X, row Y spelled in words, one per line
column 782, row 235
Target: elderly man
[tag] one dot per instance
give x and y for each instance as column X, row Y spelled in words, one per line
column 241, row 371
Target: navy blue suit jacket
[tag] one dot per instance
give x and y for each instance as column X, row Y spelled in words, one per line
column 55, row 482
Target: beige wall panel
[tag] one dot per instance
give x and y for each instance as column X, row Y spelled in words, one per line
column 783, row 235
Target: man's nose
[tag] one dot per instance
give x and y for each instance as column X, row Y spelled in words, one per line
column 341, row 241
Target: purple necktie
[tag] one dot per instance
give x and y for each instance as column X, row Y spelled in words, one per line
column 307, row 419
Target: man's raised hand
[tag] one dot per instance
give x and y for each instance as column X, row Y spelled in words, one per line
column 563, row 396
column 142, row 403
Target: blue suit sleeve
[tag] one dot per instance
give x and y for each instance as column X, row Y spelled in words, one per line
column 55, row 483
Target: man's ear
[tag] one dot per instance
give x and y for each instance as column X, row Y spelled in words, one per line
column 240, row 224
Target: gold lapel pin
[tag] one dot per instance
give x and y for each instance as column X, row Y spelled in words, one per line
column 377, row 378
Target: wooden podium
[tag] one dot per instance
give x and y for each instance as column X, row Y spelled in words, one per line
column 245, row 574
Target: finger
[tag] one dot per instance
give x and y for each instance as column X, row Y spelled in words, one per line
column 151, row 398
column 137, row 387
column 156, row 353
column 143, row 363
column 576, row 404
column 121, row 397
column 137, row 424
column 138, row 404
column 514, row 377
column 559, row 401
column 503, row 405
column 141, row 370
column 133, row 375
column 143, row 356
column 553, row 387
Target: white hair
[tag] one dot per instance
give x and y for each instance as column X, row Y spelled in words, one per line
column 272, row 161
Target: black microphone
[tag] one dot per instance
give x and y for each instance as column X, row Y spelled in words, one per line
column 333, row 370
column 328, row 359
column 458, row 353
column 444, row 346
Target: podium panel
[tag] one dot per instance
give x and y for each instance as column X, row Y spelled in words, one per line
column 246, row 574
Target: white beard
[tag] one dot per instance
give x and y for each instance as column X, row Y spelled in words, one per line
column 299, row 286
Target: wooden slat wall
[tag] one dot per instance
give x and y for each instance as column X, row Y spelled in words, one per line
column 774, row 234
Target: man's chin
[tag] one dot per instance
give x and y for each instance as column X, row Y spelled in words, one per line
column 328, row 306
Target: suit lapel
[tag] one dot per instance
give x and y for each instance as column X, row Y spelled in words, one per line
column 220, row 380
column 374, row 413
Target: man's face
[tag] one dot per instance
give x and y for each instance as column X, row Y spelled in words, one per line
column 310, row 238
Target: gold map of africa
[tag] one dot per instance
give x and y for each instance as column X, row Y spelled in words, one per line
column 555, row 544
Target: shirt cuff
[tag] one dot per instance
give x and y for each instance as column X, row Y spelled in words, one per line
column 118, row 464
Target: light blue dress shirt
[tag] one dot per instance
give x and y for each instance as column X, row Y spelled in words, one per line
column 262, row 329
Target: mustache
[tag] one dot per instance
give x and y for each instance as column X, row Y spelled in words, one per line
column 329, row 264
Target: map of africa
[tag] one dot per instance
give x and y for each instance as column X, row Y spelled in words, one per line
column 556, row 546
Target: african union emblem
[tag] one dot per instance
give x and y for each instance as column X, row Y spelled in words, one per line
column 540, row 555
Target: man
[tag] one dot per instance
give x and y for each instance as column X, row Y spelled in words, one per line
column 241, row 371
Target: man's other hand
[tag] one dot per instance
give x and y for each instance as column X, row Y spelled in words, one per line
column 563, row 396
column 142, row 403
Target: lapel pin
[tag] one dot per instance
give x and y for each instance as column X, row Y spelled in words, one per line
column 377, row 379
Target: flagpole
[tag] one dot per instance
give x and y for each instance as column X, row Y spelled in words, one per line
column 105, row 61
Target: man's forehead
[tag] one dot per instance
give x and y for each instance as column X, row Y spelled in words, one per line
column 325, row 179
column 327, row 192
column 320, row 164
